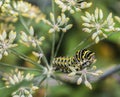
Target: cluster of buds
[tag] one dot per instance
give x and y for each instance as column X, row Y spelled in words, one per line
column 31, row 39
column 15, row 77
column 25, row 92
column 97, row 25
column 23, row 8
column 60, row 24
column 72, row 5
column 6, row 43
column 85, row 74
column 6, row 27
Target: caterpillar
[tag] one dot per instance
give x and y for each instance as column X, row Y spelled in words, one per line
column 82, row 59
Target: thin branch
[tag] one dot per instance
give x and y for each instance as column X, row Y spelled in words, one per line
column 59, row 43
column 42, row 80
column 65, row 78
column 53, row 7
column 73, row 80
column 53, row 37
column 23, row 68
column 44, row 58
column 23, row 23
column 110, row 72
column 22, row 56
column 82, row 42
column 53, row 48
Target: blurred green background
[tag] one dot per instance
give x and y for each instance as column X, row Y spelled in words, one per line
column 107, row 51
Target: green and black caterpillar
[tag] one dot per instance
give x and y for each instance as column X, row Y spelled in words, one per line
column 82, row 59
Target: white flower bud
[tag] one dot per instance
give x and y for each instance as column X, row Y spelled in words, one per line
column 104, row 35
column 88, row 15
column 109, row 17
column 87, row 24
column 95, row 74
column 101, row 14
column 88, row 84
column 77, row 9
column 85, row 19
column 94, row 35
column 117, row 18
column 6, row 53
column 96, row 13
column 64, row 30
column 71, row 74
column 4, row 35
column 12, row 35
column 34, row 44
column 11, row 81
column 52, row 17
column 23, row 95
column 15, row 79
column 87, row 30
column 68, row 26
column 79, row 81
column 35, row 88
column 16, row 96
column 99, row 72
column 59, row 19
column 94, row 67
column 30, row 95
column 97, row 39
column 72, row 11
column 26, row 92
column 117, row 29
column 24, row 36
column 31, row 31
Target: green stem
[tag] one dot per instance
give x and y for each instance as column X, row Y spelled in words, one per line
column 53, row 39
column 44, row 58
column 82, row 42
column 26, row 58
column 47, row 88
column 53, row 48
column 42, row 80
column 14, row 66
column 53, row 7
column 59, row 43
column 23, row 23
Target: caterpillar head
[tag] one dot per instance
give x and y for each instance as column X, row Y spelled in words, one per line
column 84, row 58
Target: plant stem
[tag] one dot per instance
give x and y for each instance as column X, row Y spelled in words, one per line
column 65, row 78
column 14, row 66
column 47, row 88
column 83, row 41
column 59, row 43
column 53, row 37
column 42, row 80
column 109, row 72
column 26, row 58
column 53, row 48
column 44, row 58
column 53, row 8
column 23, row 23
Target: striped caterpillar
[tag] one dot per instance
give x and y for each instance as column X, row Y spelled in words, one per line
column 82, row 59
